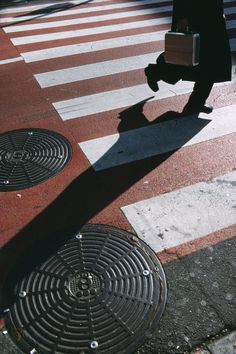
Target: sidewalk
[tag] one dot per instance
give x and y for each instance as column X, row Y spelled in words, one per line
column 223, row 345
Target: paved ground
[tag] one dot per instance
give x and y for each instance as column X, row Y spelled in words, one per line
column 136, row 163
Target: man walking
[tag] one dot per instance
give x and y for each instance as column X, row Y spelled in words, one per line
column 207, row 18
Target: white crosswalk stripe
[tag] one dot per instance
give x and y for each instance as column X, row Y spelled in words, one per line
column 11, row 60
column 164, row 219
column 189, row 213
column 30, row 8
column 106, row 101
column 138, row 144
column 89, row 71
column 96, row 18
column 80, row 2
column 90, row 31
column 92, row 19
column 103, row 29
column 89, row 47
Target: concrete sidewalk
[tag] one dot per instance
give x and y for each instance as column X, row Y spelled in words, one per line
column 221, row 345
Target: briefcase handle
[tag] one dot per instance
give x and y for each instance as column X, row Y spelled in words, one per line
column 186, row 32
column 183, row 23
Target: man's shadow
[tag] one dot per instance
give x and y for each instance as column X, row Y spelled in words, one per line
column 133, row 117
column 90, row 193
column 154, row 139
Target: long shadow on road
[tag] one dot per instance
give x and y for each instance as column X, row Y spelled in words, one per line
column 85, row 197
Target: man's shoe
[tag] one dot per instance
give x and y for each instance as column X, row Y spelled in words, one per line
column 152, row 83
column 207, row 109
column 191, row 109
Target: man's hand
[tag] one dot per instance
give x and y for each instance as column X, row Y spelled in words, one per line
column 182, row 25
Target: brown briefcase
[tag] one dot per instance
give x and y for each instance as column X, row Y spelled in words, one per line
column 182, row 48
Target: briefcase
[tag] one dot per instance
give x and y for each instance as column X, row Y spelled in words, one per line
column 182, row 48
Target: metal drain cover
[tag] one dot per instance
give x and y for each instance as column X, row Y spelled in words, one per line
column 103, row 291
column 31, row 156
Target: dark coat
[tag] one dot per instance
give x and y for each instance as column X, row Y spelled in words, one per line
column 206, row 18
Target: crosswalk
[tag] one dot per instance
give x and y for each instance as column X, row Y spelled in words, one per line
column 88, row 58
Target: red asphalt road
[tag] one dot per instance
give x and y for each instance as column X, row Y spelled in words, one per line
column 78, row 194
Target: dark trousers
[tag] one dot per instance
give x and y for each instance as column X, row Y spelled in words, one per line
column 201, row 91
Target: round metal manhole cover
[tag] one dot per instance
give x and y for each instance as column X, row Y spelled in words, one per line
column 31, row 156
column 103, row 291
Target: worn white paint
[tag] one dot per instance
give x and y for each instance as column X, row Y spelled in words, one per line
column 77, row 10
column 115, row 99
column 97, row 30
column 90, row 19
column 89, row 31
column 10, row 60
column 109, row 100
column 137, row 144
column 174, row 218
column 18, row 8
column 91, row 71
column 30, row 8
column 85, row 20
column 95, row 70
column 231, row 24
column 90, row 47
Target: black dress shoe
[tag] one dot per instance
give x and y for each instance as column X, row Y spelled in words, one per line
column 192, row 109
column 152, row 83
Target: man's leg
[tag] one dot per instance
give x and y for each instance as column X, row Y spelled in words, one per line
column 197, row 99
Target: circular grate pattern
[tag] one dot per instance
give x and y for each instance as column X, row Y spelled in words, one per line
column 103, row 291
column 84, row 284
column 31, row 156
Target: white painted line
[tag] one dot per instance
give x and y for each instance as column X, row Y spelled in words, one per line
column 97, row 30
column 231, row 24
column 90, row 19
column 152, row 140
column 93, row 19
column 30, row 8
column 89, row 47
column 115, row 99
column 184, row 215
column 90, row 31
column 109, row 100
column 11, row 60
column 88, row 9
column 91, row 71
column 230, row 10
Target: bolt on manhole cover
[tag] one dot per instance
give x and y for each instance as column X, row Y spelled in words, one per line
column 31, row 156
column 103, row 291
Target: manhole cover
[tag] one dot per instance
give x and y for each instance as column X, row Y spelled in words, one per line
column 31, row 156
column 103, row 291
